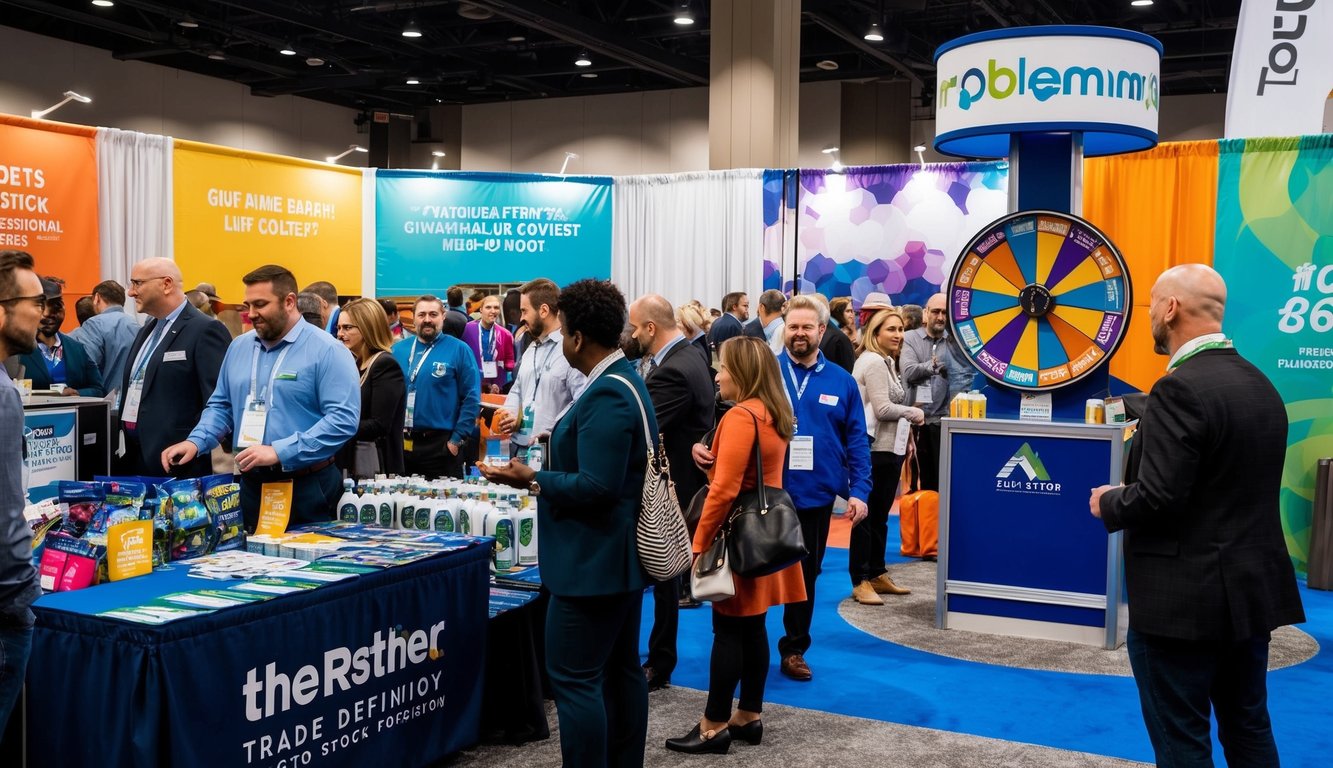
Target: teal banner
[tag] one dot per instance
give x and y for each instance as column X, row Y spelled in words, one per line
column 1274, row 247
column 434, row 230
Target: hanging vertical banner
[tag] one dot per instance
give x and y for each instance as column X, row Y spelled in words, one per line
column 1281, row 68
column 1274, row 248
column 48, row 198
column 434, row 230
column 894, row 229
column 237, row 210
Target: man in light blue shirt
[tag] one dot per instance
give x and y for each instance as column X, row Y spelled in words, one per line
column 290, row 396
column 109, row 334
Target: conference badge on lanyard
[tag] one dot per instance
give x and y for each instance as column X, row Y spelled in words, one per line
column 253, row 422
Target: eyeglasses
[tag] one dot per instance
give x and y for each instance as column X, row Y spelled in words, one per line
column 140, row 283
column 345, row 327
column 39, row 300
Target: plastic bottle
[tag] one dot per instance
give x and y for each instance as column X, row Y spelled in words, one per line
column 349, row 502
column 500, row 524
column 536, row 456
column 525, row 529
column 368, row 510
column 405, row 510
column 978, row 404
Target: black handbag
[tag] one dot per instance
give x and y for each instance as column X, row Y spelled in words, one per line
column 764, row 532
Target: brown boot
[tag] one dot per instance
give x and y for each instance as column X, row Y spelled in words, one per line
column 883, row 585
column 864, row 593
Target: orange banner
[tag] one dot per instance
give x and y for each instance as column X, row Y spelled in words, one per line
column 48, row 199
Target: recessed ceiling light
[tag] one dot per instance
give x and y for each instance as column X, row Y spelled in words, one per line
column 412, row 30
column 287, row 50
column 217, row 56
column 1140, row 3
column 188, row 23
column 589, row 75
column 683, row 15
column 314, row 61
column 828, row 65
column 103, row 3
column 516, row 39
column 874, row 34
column 583, row 60
column 437, row 153
column 413, row 81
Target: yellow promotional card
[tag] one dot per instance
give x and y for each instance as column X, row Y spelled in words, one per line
column 129, row 549
column 236, row 210
column 275, row 508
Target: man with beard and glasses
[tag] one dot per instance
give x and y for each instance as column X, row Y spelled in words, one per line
column 492, row 346
column 443, row 395
column 59, row 359
column 545, row 383
column 290, row 396
column 22, row 302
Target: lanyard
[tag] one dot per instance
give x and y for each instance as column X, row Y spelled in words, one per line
column 495, row 339
column 148, row 350
column 272, row 374
column 1224, row 344
column 542, row 366
column 412, row 380
column 798, row 389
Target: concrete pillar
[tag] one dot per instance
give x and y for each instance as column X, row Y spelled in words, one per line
column 876, row 123
column 754, row 79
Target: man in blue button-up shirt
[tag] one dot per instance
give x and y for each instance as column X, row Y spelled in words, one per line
column 109, row 334
column 290, row 396
column 443, row 396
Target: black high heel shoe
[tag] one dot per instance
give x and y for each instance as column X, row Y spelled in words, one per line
column 693, row 743
column 750, row 733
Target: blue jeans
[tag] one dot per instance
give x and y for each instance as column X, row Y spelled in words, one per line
column 1180, row 681
column 15, row 646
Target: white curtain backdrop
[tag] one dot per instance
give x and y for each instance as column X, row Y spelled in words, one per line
column 134, row 200
column 689, row 236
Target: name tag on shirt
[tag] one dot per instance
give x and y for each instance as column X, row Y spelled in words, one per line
column 828, row 399
column 802, row 453
column 171, row 357
column 489, row 369
column 408, row 421
column 253, row 422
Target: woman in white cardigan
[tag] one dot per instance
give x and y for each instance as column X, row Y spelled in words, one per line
column 887, row 420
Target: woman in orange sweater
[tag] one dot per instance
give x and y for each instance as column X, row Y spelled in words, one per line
column 748, row 374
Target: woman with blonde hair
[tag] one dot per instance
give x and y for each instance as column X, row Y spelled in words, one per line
column 363, row 330
column 694, row 322
column 747, row 374
column 882, row 396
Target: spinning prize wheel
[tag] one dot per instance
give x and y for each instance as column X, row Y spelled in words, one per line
column 1039, row 299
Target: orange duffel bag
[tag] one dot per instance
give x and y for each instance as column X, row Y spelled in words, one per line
column 919, row 516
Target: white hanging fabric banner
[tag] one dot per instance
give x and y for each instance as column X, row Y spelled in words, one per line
column 689, row 236
column 134, row 200
column 1281, row 69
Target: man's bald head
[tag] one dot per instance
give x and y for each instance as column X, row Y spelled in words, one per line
column 155, row 285
column 160, row 266
column 1188, row 301
column 654, row 309
column 937, row 315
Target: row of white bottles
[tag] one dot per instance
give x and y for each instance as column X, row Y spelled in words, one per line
column 448, row 506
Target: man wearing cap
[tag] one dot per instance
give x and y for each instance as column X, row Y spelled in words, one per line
column 108, row 334
column 171, row 370
column 58, row 359
column 289, row 395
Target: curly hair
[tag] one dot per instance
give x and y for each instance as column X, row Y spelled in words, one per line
column 594, row 308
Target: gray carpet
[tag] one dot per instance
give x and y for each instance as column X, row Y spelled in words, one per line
column 801, row 738
column 909, row 620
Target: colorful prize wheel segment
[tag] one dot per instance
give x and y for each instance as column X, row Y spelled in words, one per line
column 1039, row 299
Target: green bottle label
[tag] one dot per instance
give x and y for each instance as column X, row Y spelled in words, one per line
column 422, row 519
column 386, row 515
column 367, row 514
column 525, row 527
column 348, row 512
column 444, row 521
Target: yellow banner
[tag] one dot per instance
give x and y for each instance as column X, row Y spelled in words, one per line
column 129, row 549
column 235, row 211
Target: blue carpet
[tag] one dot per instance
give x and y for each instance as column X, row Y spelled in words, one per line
column 860, row 675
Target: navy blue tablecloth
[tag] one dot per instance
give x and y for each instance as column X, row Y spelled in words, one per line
column 381, row 669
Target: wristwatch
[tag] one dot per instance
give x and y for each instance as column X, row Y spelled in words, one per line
column 534, row 488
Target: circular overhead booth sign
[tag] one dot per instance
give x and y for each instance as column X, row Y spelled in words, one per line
column 1039, row 300
column 1098, row 81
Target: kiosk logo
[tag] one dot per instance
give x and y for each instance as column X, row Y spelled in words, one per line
column 1045, row 82
column 1038, row 479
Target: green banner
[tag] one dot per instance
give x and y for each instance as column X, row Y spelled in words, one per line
column 1275, row 249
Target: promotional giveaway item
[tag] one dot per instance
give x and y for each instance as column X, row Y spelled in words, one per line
column 275, row 507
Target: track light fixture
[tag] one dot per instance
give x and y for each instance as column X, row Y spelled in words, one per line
column 875, row 34
column 412, row 30
column 69, row 96
column 350, row 149
column 583, row 60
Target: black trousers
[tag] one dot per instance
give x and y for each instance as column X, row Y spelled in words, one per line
column 601, row 696
column 740, row 655
column 865, row 551
column 314, row 496
column 1179, row 680
column 666, row 621
column 430, row 456
column 796, row 617
column 928, row 455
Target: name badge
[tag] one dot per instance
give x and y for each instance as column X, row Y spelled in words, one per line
column 923, row 393
column 172, row 357
column 828, row 399
column 411, row 406
column 253, row 421
column 129, row 410
column 489, row 369
column 801, row 455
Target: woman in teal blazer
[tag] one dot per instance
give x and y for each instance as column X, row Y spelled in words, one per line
column 587, row 507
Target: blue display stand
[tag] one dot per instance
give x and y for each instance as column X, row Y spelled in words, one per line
column 1019, row 552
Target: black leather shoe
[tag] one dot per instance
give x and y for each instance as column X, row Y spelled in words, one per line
column 656, row 682
column 750, row 733
column 693, row 743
